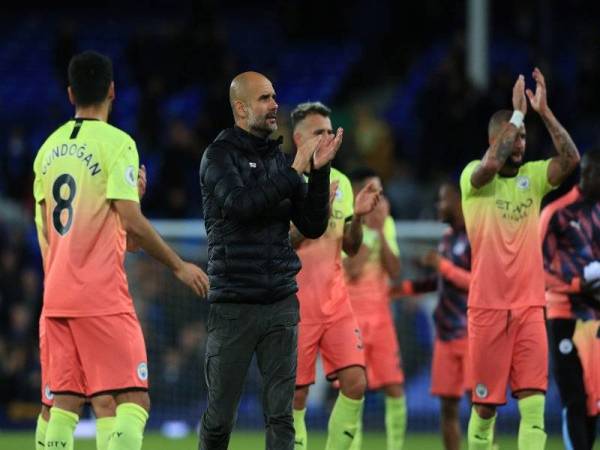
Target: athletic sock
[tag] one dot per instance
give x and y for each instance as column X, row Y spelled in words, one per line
column 128, row 431
column 395, row 422
column 301, row 438
column 343, row 423
column 104, row 428
column 40, row 433
column 480, row 434
column 61, row 426
column 531, row 429
column 358, row 437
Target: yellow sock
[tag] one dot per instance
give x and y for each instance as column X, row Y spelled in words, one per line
column 128, row 431
column 343, row 423
column 104, row 428
column 395, row 422
column 40, row 433
column 480, row 434
column 531, row 429
column 60, row 430
column 301, row 438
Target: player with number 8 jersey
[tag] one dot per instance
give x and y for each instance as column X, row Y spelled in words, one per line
column 78, row 170
column 86, row 188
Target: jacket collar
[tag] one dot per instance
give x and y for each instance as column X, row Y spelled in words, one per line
column 254, row 143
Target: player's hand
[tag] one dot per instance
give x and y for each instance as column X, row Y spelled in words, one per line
column 366, row 200
column 538, row 101
column 142, row 181
column 305, row 153
column 194, row 277
column 519, row 100
column 328, row 149
column 376, row 218
column 431, row 260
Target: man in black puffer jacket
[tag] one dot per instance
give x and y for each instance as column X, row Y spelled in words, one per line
column 251, row 191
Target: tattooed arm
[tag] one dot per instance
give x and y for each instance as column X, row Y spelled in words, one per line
column 567, row 159
column 502, row 145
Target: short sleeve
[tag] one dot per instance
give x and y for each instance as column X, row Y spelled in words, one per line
column 38, row 185
column 123, row 175
column 466, row 187
column 347, row 205
column 389, row 232
column 539, row 176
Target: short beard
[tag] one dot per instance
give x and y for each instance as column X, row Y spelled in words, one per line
column 261, row 127
column 512, row 164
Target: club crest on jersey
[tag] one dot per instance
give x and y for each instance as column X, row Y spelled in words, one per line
column 523, row 182
column 130, row 176
column 459, row 248
column 565, row 346
column 48, row 393
column 142, row 371
column 481, row 390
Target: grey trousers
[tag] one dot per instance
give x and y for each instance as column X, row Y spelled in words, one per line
column 235, row 333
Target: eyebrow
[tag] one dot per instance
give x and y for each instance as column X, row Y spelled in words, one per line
column 265, row 96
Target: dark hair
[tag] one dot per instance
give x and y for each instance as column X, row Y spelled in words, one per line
column 90, row 75
column 498, row 119
column 361, row 174
column 304, row 109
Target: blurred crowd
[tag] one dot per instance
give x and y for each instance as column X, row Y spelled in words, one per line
column 406, row 102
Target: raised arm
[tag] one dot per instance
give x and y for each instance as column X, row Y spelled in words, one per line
column 220, row 175
column 567, row 159
column 365, row 201
column 502, row 145
column 310, row 213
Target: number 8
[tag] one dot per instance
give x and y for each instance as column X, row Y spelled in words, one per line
column 62, row 203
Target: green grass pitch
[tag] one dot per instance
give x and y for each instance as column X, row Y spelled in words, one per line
column 252, row 440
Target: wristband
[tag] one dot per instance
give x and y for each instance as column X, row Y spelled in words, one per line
column 517, row 118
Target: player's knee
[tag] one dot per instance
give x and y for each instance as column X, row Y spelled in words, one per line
column 45, row 412
column 300, row 396
column 485, row 411
column 354, row 387
column 394, row 390
column 140, row 398
column 104, row 406
column 72, row 403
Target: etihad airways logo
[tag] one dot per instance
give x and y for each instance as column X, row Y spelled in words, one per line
column 515, row 211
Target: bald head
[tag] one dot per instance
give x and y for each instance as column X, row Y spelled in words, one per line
column 244, row 85
column 252, row 100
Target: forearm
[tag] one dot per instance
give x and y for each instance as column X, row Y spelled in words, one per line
column 495, row 156
column 310, row 213
column 353, row 236
column 243, row 203
column 390, row 262
column 568, row 155
column 143, row 234
column 458, row 276
column 413, row 287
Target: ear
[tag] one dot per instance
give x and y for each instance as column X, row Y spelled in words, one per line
column 111, row 91
column 297, row 137
column 71, row 96
column 240, row 109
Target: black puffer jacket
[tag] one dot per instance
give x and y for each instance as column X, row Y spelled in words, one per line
column 250, row 193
